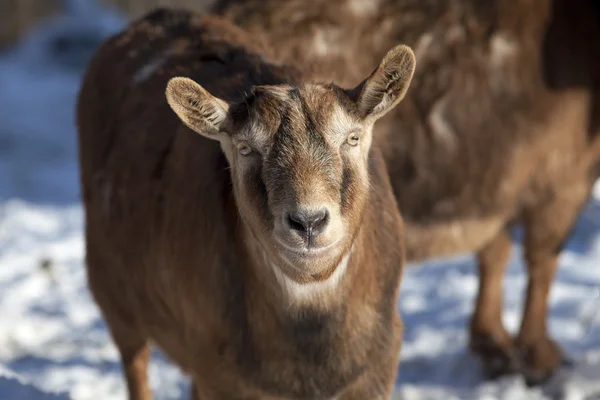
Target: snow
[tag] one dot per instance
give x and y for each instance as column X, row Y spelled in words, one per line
column 52, row 338
column 16, row 387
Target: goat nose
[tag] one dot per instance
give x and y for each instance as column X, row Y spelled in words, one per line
column 308, row 222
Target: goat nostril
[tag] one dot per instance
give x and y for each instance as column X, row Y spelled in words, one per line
column 296, row 222
column 311, row 223
column 318, row 221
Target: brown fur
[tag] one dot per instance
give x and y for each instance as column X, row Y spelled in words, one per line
column 183, row 233
column 502, row 127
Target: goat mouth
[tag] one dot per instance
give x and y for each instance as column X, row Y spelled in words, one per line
column 308, row 251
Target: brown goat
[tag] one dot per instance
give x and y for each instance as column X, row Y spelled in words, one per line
column 263, row 255
column 502, row 127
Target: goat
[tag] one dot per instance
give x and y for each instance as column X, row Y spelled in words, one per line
column 263, row 254
column 502, row 127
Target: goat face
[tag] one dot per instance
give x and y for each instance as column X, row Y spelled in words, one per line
column 299, row 156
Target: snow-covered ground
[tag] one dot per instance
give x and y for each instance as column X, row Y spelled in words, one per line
column 51, row 333
column 14, row 386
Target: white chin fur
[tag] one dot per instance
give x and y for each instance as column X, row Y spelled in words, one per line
column 302, row 293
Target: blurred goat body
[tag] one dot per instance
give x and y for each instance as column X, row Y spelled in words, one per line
column 502, row 126
column 253, row 250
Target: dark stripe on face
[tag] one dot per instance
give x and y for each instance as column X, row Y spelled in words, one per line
column 345, row 189
column 298, row 150
column 283, row 141
column 310, row 124
column 258, row 192
column 280, row 161
column 313, row 126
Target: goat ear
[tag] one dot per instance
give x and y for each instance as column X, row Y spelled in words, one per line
column 196, row 107
column 388, row 84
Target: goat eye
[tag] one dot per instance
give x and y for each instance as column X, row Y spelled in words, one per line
column 353, row 139
column 244, row 149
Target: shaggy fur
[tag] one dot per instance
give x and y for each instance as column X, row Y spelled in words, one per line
column 192, row 209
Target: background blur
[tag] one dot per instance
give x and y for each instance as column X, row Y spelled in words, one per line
column 45, row 46
column 18, row 16
column 52, row 338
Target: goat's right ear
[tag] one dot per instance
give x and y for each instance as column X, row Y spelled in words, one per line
column 198, row 109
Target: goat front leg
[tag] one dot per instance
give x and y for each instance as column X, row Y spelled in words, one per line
column 488, row 337
column 134, row 348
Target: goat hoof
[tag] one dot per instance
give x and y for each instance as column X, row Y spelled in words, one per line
column 540, row 360
column 499, row 357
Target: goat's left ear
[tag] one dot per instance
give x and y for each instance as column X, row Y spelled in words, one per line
column 387, row 85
